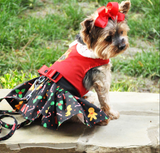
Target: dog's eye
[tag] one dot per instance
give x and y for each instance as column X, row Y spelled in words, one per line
column 121, row 32
column 108, row 38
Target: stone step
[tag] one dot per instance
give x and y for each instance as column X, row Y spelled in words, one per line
column 136, row 131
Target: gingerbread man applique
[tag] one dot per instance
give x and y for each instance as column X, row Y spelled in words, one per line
column 68, row 110
column 18, row 106
column 92, row 114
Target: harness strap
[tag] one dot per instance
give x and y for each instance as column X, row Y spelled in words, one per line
column 50, row 73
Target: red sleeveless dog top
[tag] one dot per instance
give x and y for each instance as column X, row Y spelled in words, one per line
column 73, row 67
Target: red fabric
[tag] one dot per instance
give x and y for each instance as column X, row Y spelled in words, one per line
column 112, row 12
column 75, row 66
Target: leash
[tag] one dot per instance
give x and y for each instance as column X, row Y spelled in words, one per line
column 12, row 127
column 9, row 114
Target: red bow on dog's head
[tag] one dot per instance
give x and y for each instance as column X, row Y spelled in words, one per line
column 112, row 12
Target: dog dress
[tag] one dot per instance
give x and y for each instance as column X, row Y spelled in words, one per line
column 56, row 95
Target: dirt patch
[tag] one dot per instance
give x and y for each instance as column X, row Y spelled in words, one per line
column 41, row 10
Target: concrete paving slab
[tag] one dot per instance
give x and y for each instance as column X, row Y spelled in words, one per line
column 136, row 131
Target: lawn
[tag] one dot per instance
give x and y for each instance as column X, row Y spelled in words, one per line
column 34, row 33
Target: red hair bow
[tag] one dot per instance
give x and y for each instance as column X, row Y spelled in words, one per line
column 112, row 12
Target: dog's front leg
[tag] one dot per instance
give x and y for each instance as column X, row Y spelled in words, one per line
column 102, row 88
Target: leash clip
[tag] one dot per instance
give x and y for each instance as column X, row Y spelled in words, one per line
column 36, row 84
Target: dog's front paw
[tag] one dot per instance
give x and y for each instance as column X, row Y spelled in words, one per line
column 103, row 123
column 113, row 114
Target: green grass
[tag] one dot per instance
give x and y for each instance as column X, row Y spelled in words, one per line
column 121, row 83
column 144, row 64
column 29, row 40
column 12, row 78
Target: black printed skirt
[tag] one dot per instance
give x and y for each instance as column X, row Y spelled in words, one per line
column 41, row 97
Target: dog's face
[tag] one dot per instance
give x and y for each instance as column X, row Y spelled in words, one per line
column 109, row 41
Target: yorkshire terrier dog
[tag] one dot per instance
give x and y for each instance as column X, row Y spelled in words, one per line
column 104, row 42
column 57, row 95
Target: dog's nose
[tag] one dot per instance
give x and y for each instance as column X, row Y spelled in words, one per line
column 122, row 46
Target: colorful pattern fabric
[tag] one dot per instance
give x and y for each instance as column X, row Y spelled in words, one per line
column 50, row 102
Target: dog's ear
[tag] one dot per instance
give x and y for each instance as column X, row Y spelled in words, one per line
column 124, row 6
column 87, row 31
column 87, row 25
